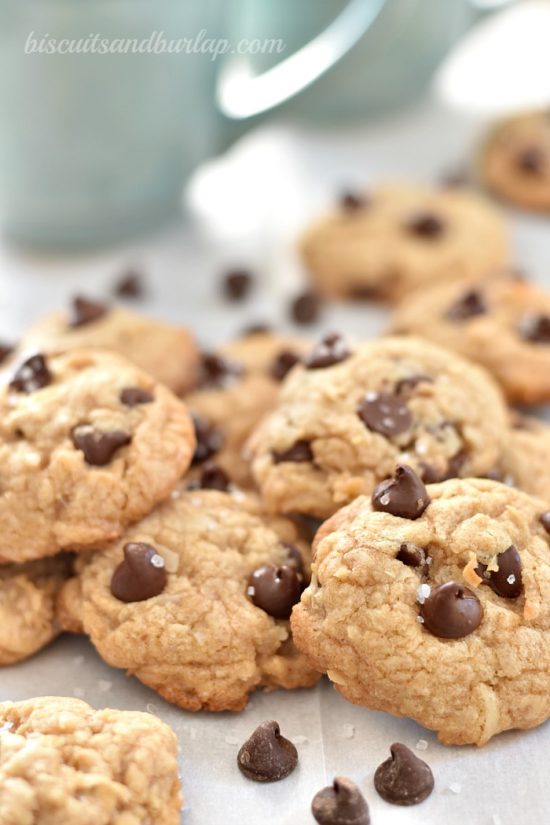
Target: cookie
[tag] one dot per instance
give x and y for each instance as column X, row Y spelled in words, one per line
column 88, row 444
column 347, row 416
column 239, row 385
column 525, row 459
column 64, row 762
column 515, row 161
column 27, row 606
column 502, row 323
column 442, row 615
column 166, row 352
column 194, row 601
column 402, row 237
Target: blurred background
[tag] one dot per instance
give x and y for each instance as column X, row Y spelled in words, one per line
column 182, row 137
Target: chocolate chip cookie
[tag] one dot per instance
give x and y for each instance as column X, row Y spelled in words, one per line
column 525, row 459
column 167, row 352
column 432, row 602
column 195, row 601
column 63, row 762
column 349, row 414
column 502, row 323
column 515, row 161
column 239, row 384
column 88, row 444
column 27, row 606
column 384, row 244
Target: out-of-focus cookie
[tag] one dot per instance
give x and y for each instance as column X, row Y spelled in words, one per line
column 195, row 601
column 239, row 384
column 515, row 161
column 28, row 595
column 389, row 242
column 348, row 415
column 502, row 323
column 64, row 762
column 166, row 352
column 434, row 604
column 525, row 459
column 88, row 444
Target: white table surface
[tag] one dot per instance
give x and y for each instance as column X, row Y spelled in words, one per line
column 247, row 207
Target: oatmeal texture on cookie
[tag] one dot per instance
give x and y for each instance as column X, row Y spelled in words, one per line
column 88, row 444
column 442, row 617
column 339, row 429
column 64, row 763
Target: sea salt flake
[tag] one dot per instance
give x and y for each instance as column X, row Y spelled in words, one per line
column 422, row 593
column 420, row 620
column 348, row 731
column 511, row 579
column 157, row 561
column 151, row 708
column 384, row 499
column 455, row 787
column 421, row 745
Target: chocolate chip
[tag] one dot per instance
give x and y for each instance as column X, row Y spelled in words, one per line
column 403, row 779
column 305, row 308
column 130, row 285
column 332, row 349
column 451, row 611
column 237, row 284
column 212, row 477
column 507, row 580
column 300, row 452
column 33, row 374
column 267, row 756
column 283, row 363
column 403, row 495
column 412, row 555
column 295, row 560
column 132, row 396
column 275, row 589
column 365, row 292
column 545, row 520
column 470, row 304
column 384, row 413
column 98, row 446
column 217, row 371
column 352, row 201
column 308, row 525
column 406, row 385
column 5, row 351
column 455, row 464
column 342, row 803
column 256, row 328
column 84, row 311
column 425, row 225
column 140, row 576
column 535, row 327
column 209, row 439
column 531, row 160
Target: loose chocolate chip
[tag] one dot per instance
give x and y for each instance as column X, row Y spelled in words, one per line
column 283, row 363
column 132, row 396
column 384, row 413
column 275, row 589
column 5, row 350
column 412, row 555
column 352, row 202
column 531, row 160
column 33, row 374
column 237, row 284
column 305, row 308
column 85, row 311
column 209, row 439
column 300, row 452
column 342, row 803
column 130, row 285
column 403, row 495
column 267, row 756
column 212, row 477
column 406, row 385
column 425, row 225
column 451, row 611
column 332, row 349
column 470, row 304
column 545, row 520
column 535, row 327
column 140, row 576
column 403, row 779
column 217, row 371
column 98, row 446
column 507, row 580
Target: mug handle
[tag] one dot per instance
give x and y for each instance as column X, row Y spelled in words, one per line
column 241, row 93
